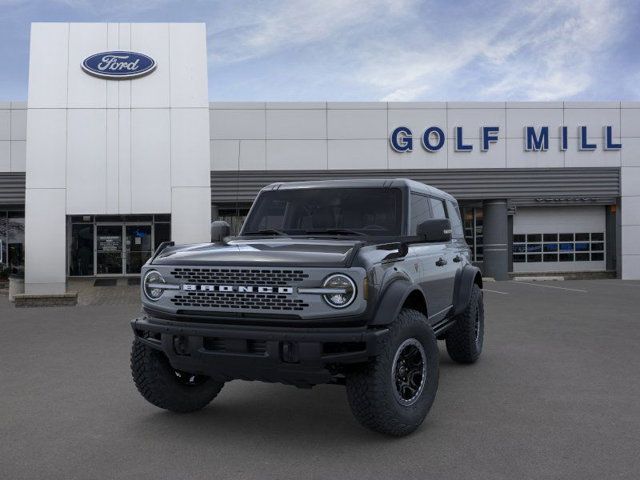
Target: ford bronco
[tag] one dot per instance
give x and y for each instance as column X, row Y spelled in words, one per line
column 348, row 282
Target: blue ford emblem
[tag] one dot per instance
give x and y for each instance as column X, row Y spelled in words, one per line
column 118, row 65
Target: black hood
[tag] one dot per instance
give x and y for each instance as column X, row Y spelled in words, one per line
column 290, row 252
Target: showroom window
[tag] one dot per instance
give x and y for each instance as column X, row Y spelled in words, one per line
column 472, row 220
column 558, row 247
column 11, row 242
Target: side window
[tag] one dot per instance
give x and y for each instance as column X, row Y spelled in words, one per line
column 456, row 222
column 437, row 207
column 419, row 212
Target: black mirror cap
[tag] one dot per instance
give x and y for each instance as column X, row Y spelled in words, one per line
column 435, row 230
column 219, row 231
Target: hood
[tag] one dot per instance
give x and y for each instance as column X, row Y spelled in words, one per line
column 289, row 252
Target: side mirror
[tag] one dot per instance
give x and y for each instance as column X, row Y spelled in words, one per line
column 219, row 230
column 435, row 230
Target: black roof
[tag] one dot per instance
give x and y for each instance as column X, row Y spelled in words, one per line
column 362, row 183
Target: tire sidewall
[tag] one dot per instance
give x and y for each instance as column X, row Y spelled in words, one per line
column 418, row 329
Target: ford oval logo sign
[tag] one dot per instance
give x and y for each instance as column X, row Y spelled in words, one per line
column 118, row 65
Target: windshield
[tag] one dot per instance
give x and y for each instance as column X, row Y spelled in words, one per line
column 328, row 211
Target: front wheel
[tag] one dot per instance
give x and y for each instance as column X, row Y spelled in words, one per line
column 165, row 387
column 393, row 393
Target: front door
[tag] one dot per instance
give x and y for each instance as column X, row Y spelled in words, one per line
column 138, row 247
column 109, row 249
column 122, row 249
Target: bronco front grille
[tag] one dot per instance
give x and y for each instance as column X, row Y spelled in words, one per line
column 239, row 276
column 238, row 301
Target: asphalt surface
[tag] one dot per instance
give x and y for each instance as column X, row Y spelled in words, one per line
column 556, row 394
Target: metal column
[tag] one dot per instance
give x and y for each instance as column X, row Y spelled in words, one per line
column 496, row 239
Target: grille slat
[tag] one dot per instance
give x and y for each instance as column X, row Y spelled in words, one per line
column 215, row 300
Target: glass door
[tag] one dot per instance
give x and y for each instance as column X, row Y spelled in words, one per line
column 109, row 253
column 138, row 247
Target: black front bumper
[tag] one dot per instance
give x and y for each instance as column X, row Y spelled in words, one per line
column 299, row 356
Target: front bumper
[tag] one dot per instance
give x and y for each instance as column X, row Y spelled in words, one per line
column 299, row 356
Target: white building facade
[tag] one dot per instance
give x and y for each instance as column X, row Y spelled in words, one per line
column 95, row 171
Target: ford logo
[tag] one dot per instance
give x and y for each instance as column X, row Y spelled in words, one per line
column 118, row 65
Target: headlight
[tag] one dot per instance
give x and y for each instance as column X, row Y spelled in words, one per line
column 345, row 290
column 152, row 285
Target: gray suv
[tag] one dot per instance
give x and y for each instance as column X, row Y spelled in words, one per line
column 348, row 282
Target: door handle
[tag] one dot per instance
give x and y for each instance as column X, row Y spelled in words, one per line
column 457, row 258
column 441, row 262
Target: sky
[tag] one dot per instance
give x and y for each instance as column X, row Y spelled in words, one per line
column 377, row 50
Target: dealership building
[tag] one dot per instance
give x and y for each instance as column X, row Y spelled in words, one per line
column 118, row 148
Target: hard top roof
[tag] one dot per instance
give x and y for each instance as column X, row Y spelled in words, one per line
column 362, row 183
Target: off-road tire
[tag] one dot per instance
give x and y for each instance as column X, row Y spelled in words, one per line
column 464, row 342
column 370, row 388
column 158, row 383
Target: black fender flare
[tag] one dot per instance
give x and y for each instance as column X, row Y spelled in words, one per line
column 392, row 300
column 465, row 279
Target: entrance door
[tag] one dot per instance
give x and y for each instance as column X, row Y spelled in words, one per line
column 109, row 258
column 122, row 249
column 138, row 247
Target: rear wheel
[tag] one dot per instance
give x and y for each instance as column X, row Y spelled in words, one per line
column 168, row 388
column 465, row 338
column 393, row 393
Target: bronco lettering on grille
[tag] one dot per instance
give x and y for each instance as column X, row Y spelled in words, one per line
column 237, row 289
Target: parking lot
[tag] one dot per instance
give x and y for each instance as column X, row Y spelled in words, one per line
column 555, row 395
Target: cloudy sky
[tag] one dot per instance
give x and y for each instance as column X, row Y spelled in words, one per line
column 377, row 49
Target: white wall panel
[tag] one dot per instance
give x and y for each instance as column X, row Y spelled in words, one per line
column 357, row 124
column 112, row 175
column 150, row 161
column 253, row 155
column 297, row 154
column 471, row 119
column 188, row 54
column 124, row 161
column 418, row 158
column 597, row 158
column 86, row 91
column 518, row 157
column 418, row 120
column 153, row 90
column 630, row 267
column 518, row 118
column 357, row 154
column 630, row 214
column 630, row 118
column 630, row 181
column 296, row 124
column 113, row 43
column 5, row 124
column 86, row 161
column 190, row 147
column 191, row 214
column 5, row 156
column 45, row 241
column 495, row 157
column 124, row 86
column 630, row 236
column 237, row 124
column 630, row 153
column 18, row 156
column 593, row 119
column 47, row 148
column 48, row 65
column 224, row 154
column 18, row 124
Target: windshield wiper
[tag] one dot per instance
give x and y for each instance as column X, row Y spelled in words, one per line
column 336, row 231
column 267, row 231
